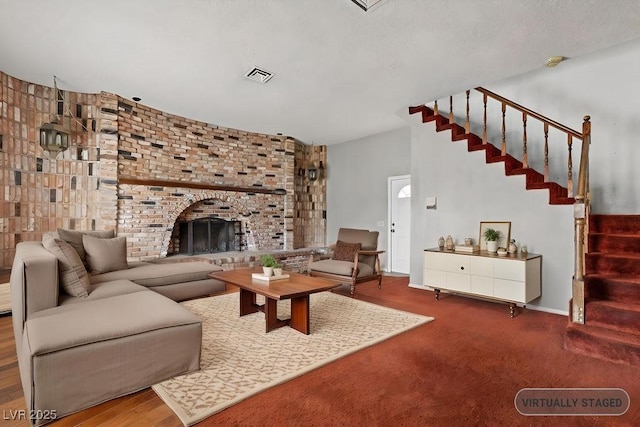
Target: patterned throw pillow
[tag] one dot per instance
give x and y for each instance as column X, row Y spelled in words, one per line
column 345, row 251
column 73, row 276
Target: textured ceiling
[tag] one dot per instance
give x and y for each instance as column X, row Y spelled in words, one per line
column 340, row 73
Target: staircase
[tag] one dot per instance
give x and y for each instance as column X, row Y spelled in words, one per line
column 612, row 292
column 558, row 195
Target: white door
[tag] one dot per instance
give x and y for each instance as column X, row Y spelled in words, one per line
column 399, row 223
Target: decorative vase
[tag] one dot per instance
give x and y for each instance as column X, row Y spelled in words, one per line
column 441, row 242
column 492, row 246
column 267, row 271
column 513, row 248
column 277, row 271
column 523, row 250
column 449, row 243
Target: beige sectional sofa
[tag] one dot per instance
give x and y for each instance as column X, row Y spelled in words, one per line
column 124, row 332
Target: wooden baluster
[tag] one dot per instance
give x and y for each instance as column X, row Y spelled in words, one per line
column 546, row 152
column 525, row 160
column 451, row 110
column 484, row 126
column 569, row 167
column 467, row 126
column 504, row 130
column 435, row 108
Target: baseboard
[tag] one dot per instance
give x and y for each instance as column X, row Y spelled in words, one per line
column 549, row 310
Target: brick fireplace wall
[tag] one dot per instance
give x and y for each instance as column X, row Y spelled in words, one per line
column 135, row 169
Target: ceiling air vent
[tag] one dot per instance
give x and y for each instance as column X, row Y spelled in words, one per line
column 259, row 75
column 366, row 5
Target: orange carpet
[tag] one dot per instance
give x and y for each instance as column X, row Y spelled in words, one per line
column 463, row 369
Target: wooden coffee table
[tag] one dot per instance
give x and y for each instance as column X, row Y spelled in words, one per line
column 297, row 288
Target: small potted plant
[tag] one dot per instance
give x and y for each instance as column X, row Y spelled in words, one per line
column 277, row 270
column 268, row 263
column 491, row 236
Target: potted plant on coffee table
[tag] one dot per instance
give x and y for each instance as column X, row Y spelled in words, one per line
column 268, row 263
column 492, row 236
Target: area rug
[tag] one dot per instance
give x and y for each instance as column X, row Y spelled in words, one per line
column 239, row 359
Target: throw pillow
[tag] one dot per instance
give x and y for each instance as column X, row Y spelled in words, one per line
column 345, row 251
column 74, row 238
column 73, row 276
column 105, row 255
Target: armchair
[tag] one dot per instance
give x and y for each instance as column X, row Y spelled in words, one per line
column 353, row 259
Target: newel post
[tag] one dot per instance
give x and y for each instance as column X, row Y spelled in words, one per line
column 580, row 217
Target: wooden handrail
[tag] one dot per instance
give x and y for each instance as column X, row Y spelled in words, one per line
column 531, row 113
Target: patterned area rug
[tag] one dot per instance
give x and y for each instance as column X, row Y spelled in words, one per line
column 239, row 359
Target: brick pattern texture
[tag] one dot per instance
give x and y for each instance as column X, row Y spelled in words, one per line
column 112, row 139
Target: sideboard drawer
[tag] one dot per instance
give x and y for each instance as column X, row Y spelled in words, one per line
column 509, row 290
column 458, row 282
column 434, row 277
column 479, row 266
column 509, row 270
column 458, row 264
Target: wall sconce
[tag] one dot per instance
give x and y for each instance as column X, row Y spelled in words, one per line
column 54, row 137
column 312, row 172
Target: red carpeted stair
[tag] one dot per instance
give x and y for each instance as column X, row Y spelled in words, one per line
column 612, row 292
column 558, row 195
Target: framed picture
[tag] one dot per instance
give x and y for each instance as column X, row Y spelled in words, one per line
column 503, row 227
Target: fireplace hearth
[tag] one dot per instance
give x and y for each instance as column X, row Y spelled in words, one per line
column 209, row 235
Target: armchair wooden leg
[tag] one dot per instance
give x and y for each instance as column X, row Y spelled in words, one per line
column 379, row 282
column 352, row 289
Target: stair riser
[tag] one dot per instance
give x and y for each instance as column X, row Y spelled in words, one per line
column 492, row 153
column 612, row 318
column 612, row 290
column 581, row 342
column 614, row 224
column 598, row 263
column 610, row 244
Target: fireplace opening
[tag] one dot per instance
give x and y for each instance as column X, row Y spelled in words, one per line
column 209, row 235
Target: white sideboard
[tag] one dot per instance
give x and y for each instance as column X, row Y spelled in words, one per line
column 514, row 278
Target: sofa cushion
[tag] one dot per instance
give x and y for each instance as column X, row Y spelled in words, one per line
column 105, row 255
column 342, row 268
column 105, row 290
column 161, row 274
column 74, row 238
column 345, row 251
column 73, row 276
column 75, row 325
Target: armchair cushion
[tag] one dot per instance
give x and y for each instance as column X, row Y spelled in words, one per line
column 341, row 268
column 345, row 251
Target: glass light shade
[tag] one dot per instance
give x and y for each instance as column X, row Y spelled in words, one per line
column 54, row 137
column 312, row 173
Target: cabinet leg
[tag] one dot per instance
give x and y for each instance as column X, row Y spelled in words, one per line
column 437, row 291
column 512, row 310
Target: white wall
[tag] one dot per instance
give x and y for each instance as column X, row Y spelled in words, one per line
column 357, row 181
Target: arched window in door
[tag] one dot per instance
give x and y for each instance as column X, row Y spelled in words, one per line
column 405, row 192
